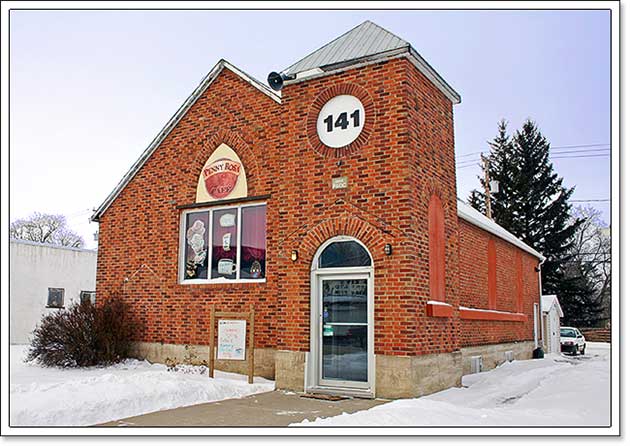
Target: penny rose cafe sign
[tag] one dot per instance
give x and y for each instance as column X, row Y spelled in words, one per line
column 222, row 176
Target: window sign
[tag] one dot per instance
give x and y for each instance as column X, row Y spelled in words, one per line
column 340, row 121
column 237, row 246
column 196, row 261
column 231, row 340
column 222, row 176
column 223, row 238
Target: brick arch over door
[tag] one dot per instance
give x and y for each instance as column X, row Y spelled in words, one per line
column 208, row 144
column 352, row 226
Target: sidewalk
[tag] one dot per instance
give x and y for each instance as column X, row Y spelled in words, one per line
column 272, row 409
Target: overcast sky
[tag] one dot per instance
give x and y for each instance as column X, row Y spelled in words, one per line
column 91, row 89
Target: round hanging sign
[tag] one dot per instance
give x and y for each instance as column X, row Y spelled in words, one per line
column 340, row 121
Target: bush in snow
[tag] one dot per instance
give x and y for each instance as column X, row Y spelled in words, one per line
column 83, row 335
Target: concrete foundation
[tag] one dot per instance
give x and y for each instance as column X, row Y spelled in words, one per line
column 290, row 370
column 494, row 354
column 413, row 376
column 264, row 358
column 396, row 376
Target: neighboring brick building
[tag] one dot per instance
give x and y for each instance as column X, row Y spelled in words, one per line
column 332, row 209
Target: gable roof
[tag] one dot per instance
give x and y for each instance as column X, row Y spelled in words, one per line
column 548, row 301
column 367, row 42
column 170, row 125
column 475, row 217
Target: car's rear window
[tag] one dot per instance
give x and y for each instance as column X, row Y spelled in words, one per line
column 567, row 333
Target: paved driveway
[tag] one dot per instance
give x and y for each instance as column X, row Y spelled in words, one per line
column 276, row 408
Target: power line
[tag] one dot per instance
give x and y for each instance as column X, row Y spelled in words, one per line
column 552, row 148
column 580, row 145
column 581, row 151
column 465, row 163
column 580, row 156
column 590, row 201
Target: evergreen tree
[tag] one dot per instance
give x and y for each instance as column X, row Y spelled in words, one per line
column 532, row 203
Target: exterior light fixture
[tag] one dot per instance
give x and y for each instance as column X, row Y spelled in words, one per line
column 494, row 186
column 388, row 249
column 294, row 255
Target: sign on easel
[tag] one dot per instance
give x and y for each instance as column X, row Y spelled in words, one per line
column 231, row 340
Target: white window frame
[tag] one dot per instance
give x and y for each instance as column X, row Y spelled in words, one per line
column 63, row 298
column 182, row 246
column 92, row 295
column 312, row 370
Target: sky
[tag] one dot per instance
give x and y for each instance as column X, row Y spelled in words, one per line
column 89, row 90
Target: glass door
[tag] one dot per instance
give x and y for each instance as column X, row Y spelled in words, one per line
column 343, row 330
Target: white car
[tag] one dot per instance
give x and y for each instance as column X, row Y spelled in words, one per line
column 572, row 341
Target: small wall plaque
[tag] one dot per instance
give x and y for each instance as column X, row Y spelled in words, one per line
column 340, row 183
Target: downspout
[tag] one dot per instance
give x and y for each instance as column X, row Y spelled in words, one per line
column 538, row 330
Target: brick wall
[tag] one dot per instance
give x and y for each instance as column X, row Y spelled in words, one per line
column 139, row 232
column 474, row 287
column 407, row 156
column 377, row 202
column 432, row 161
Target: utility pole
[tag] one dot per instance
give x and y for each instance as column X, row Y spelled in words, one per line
column 486, row 184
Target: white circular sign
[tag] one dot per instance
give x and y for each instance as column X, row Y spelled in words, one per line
column 340, row 121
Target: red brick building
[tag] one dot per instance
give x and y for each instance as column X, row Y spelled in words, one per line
column 330, row 206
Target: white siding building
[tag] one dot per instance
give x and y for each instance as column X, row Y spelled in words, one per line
column 44, row 278
column 552, row 312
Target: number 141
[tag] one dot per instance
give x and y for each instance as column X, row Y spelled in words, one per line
column 342, row 121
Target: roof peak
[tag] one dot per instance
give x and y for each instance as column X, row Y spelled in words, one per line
column 365, row 43
column 365, row 39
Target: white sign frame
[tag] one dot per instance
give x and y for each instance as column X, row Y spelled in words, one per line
column 340, row 110
column 231, row 339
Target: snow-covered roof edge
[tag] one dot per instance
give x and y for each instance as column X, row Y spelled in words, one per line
column 50, row 245
column 548, row 300
column 179, row 114
column 475, row 217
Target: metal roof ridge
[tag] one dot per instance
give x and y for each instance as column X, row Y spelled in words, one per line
column 325, row 45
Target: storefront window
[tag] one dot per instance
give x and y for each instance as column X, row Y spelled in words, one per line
column 237, row 237
column 196, row 260
column 224, row 243
column 253, row 252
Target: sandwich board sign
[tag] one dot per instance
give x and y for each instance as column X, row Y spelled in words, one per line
column 231, row 339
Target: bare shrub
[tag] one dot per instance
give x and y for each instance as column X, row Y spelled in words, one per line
column 83, row 335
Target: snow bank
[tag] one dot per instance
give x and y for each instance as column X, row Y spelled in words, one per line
column 554, row 391
column 42, row 396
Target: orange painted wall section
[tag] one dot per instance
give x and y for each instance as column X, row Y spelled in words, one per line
column 437, row 251
column 519, row 282
column 492, row 274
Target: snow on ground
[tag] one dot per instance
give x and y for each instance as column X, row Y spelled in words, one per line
column 45, row 396
column 555, row 391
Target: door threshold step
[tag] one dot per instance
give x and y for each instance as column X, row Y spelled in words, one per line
column 323, row 396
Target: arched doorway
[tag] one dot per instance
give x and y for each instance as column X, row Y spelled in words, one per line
column 341, row 359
